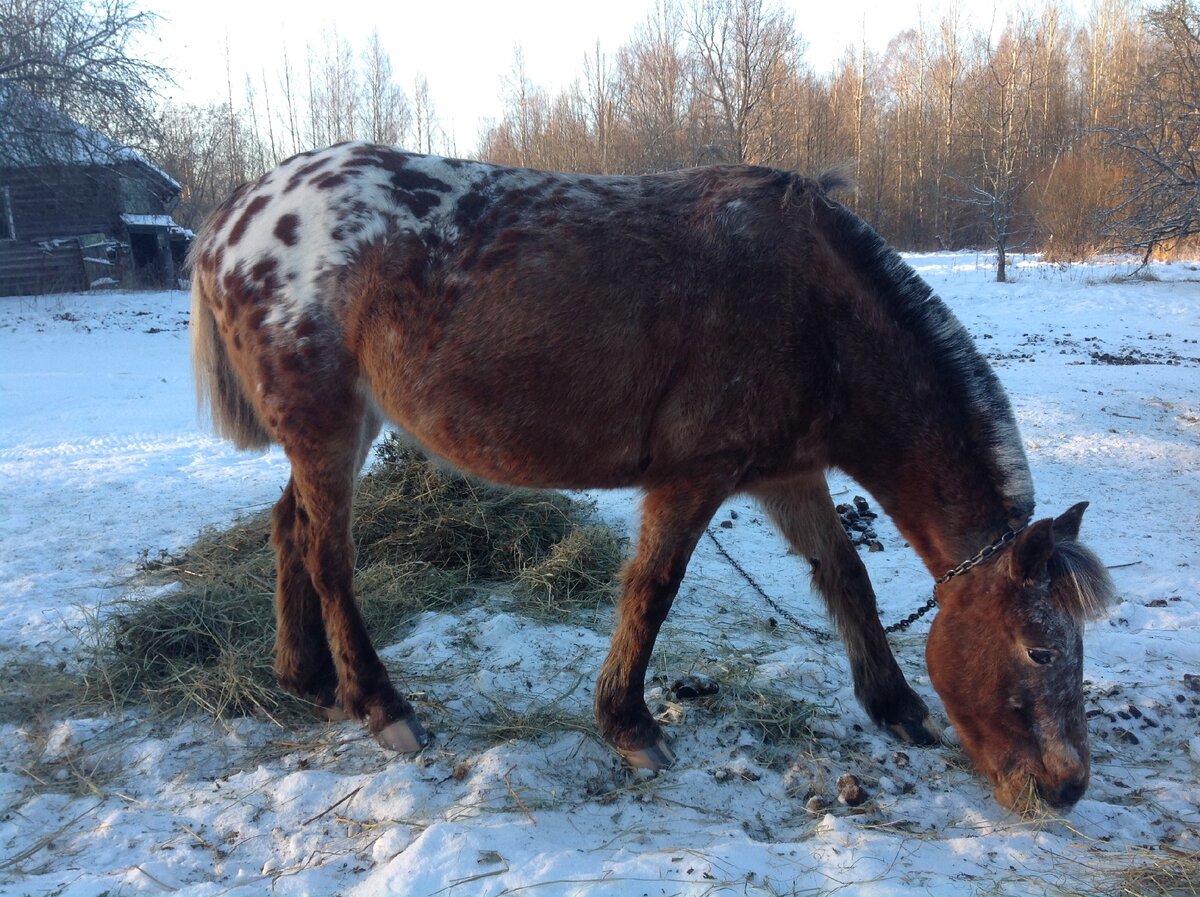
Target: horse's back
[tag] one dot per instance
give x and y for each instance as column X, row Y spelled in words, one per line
column 532, row 327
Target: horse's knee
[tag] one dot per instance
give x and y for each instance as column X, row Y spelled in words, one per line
column 839, row 575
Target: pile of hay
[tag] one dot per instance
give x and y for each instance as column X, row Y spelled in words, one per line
column 201, row 632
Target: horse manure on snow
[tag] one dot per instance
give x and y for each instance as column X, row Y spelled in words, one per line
column 858, row 520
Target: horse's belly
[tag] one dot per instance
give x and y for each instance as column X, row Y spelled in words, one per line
column 523, row 436
column 486, row 448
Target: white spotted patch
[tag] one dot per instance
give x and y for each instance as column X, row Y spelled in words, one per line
column 314, row 211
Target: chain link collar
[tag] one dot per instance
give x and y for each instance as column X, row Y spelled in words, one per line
column 984, row 553
column 966, row 566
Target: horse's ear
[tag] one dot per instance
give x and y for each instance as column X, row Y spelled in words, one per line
column 1066, row 527
column 1031, row 552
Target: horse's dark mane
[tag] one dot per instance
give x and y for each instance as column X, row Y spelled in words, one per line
column 912, row 304
column 1079, row 582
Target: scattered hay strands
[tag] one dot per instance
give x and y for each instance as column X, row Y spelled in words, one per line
column 1161, row 871
column 576, row 575
column 1169, row 873
column 502, row 723
column 32, row 687
column 781, row 722
column 198, row 630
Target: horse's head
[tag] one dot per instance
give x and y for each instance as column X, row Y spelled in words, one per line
column 1006, row 656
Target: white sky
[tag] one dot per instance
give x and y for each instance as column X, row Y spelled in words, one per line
column 465, row 48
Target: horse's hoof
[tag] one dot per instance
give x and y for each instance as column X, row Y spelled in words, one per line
column 405, row 735
column 922, row 733
column 654, row 758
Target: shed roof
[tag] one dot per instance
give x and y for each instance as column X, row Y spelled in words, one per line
column 32, row 133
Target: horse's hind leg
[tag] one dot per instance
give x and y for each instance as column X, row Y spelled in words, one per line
column 673, row 519
column 302, row 659
column 303, row 662
column 324, row 438
column 803, row 511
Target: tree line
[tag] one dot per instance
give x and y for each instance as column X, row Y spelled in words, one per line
column 1065, row 134
column 1051, row 133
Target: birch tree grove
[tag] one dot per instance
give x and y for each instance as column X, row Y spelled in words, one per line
column 338, row 92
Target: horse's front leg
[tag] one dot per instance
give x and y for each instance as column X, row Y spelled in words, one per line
column 803, row 511
column 673, row 519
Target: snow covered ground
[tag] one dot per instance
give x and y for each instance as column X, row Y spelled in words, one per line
column 102, row 459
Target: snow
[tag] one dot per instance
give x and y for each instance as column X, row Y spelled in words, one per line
column 102, row 460
column 154, row 221
column 66, row 141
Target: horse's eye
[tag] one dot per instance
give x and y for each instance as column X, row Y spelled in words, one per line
column 1042, row 656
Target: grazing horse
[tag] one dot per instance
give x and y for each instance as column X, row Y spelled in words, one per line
column 696, row 334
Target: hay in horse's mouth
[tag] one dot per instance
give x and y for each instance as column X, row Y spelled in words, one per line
column 197, row 631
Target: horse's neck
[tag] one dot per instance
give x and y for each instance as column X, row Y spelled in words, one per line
column 941, row 509
column 917, row 447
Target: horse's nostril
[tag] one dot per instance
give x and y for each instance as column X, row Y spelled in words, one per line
column 1067, row 794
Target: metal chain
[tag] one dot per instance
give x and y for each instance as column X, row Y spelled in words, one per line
column 899, row 626
column 921, row 611
column 984, row 553
column 818, row 634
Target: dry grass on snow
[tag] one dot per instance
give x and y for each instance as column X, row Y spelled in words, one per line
column 198, row 631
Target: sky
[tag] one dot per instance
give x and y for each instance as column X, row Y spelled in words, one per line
column 465, row 49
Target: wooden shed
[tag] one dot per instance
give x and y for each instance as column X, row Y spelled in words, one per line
column 78, row 211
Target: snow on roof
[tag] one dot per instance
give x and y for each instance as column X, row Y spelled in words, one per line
column 37, row 133
column 148, row 220
column 134, row 220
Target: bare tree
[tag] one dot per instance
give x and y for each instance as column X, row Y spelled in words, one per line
column 427, row 133
column 1003, row 134
column 527, row 112
column 73, row 57
column 1162, row 142
column 948, row 62
column 386, row 115
column 907, row 138
column 334, row 97
column 1108, row 47
column 745, row 52
column 291, row 115
column 601, row 106
column 654, row 92
column 205, row 150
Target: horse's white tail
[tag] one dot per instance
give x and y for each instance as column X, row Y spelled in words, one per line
column 217, row 384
